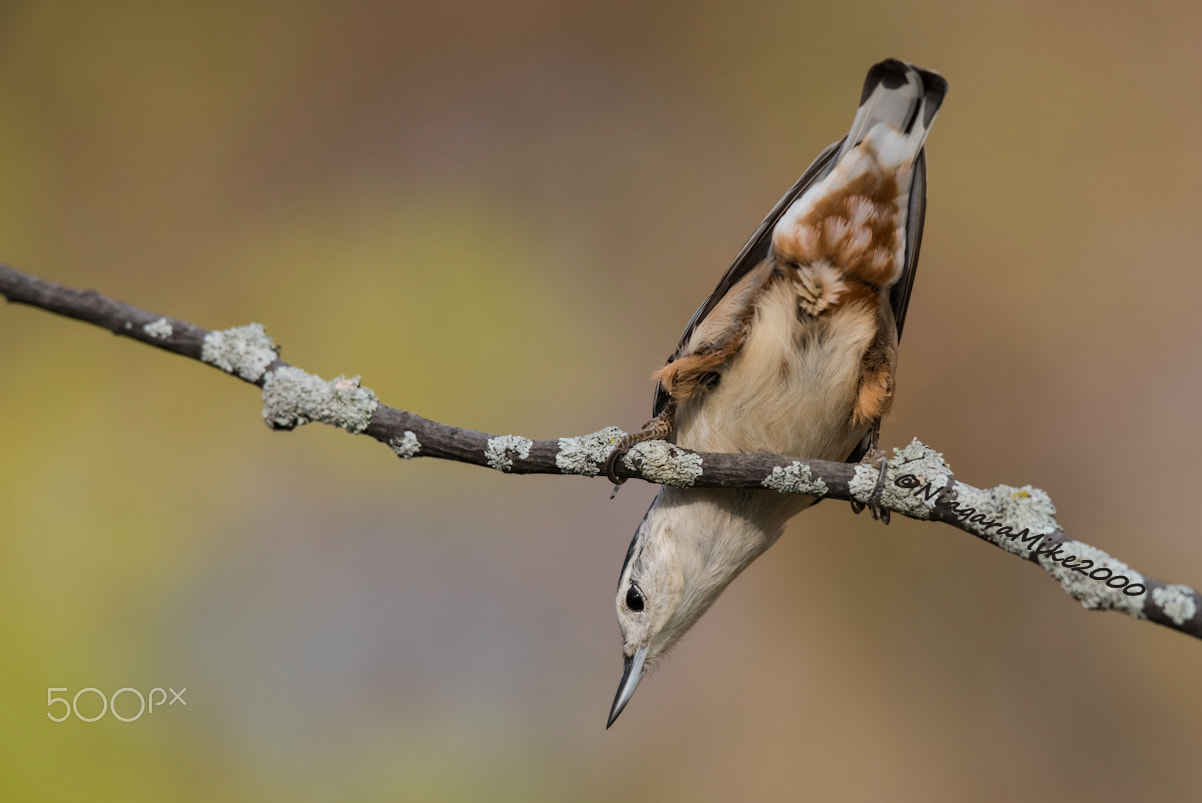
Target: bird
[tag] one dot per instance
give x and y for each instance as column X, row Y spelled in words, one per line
column 794, row 353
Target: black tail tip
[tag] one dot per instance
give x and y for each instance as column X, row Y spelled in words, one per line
column 934, row 89
column 934, row 85
column 890, row 72
column 895, row 73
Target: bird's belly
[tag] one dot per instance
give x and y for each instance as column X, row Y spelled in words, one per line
column 791, row 388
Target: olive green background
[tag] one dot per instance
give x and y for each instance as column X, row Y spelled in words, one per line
column 501, row 215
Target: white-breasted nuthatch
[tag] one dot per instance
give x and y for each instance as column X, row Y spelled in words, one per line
column 794, row 354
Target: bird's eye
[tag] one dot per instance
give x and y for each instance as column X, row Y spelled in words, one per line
column 634, row 599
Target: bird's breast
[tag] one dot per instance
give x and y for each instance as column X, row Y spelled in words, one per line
column 792, row 385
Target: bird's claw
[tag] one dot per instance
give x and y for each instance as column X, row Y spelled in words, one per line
column 875, row 457
column 620, row 449
column 657, row 428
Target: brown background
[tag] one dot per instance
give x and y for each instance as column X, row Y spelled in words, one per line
column 502, row 215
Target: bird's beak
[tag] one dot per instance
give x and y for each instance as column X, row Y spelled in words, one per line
column 631, row 676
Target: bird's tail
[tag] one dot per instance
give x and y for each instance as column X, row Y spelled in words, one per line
column 897, row 107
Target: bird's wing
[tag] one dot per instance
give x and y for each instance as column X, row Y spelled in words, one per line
column 754, row 251
column 899, row 295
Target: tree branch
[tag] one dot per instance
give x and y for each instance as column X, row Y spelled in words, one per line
column 919, row 484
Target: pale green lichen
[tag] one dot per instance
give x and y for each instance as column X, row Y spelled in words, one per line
column 795, row 478
column 587, row 453
column 660, row 461
column 159, row 330
column 1013, row 518
column 501, row 450
column 243, row 350
column 913, row 480
column 1091, row 592
column 406, row 446
column 1177, row 602
column 292, row 397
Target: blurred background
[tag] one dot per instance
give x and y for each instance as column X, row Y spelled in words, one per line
column 501, row 215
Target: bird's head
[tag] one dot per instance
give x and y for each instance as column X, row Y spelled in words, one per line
column 687, row 549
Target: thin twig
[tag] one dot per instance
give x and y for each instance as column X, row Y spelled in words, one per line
column 919, row 483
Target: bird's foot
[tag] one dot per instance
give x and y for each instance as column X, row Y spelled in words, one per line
column 657, row 428
column 874, row 458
